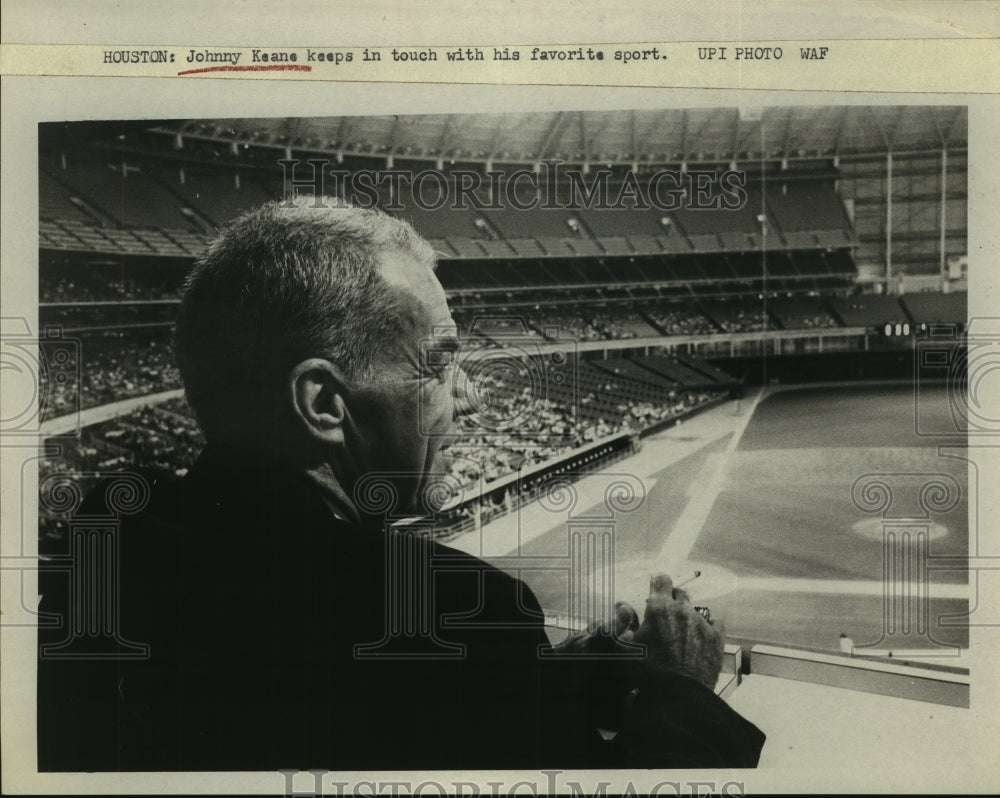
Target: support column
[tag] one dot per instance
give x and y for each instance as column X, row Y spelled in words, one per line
column 888, row 220
column 944, row 217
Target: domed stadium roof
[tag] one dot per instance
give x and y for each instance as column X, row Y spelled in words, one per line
column 660, row 136
column 690, row 134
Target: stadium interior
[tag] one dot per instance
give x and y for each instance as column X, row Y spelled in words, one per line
column 665, row 344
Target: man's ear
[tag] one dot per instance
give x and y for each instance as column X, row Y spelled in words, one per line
column 317, row 389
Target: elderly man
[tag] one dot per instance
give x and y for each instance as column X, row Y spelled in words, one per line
column 318, row 351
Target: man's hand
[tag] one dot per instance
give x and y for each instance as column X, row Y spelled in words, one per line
column 602, row 638
column 678, row 638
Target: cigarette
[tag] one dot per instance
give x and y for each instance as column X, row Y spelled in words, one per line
column 688, row 579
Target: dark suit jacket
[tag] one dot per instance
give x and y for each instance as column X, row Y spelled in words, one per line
column 254, row 598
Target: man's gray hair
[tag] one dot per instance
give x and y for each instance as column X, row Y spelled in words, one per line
column 280, row 285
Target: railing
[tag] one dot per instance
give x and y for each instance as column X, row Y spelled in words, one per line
column 913, row 681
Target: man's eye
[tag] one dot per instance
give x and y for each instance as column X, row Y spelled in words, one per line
column 440, row 358
column 438, row 361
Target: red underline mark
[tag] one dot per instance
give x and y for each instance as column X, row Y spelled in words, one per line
column 268, row 68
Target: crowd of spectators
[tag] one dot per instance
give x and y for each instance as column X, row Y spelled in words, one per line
column 577, row 323
column 108, row 368
column 817, row 321
column 93, row 288
column 492, row 457
column 744, row 320
column 488, row 451
column 680, row 321
column 583, row 324
column 83, row 317
column 165, row 439
column 504, row 323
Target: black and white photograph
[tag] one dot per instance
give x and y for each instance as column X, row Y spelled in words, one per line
column 575, row 439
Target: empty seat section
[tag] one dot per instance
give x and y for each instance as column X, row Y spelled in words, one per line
column 705, row 368
column 216, row 195
column 835, row 238
column 443, row 223
column 496, row 249
column 687, row 268
column 868, row 310
column 937, row 308
column 527, row 247
column 716, row 267
column 644, row 244
column 705, row 242
column 810, row 261
column 780, row 263
column 841, row 262
column 626, row 270
column 628, row 222
column 471, row 275
column 633, row 370
column 125, row 193
column 584, row 247
column 54, row 201
column 797, row 239
column 467, row 248
column 806, row 205
column 670, row 369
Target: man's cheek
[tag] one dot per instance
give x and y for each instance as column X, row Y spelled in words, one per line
column 436, row 408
